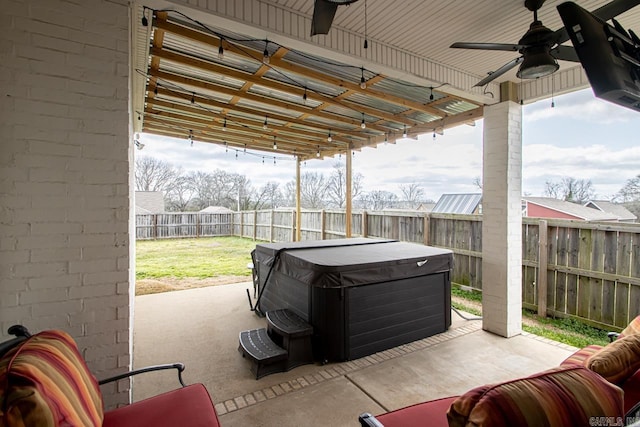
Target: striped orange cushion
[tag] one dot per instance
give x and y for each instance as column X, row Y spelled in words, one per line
column 632, row 328
column 45, row 382
column 559, row 397
column 580, row 357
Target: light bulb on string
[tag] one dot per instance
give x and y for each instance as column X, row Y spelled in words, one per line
column 275, row 144
column 363, row 125
column 274, row 160
column 431, row 95
column 193, row 97
column 265, row 125
column 265, row 54
column 224, row 125
column 363, row 83
column 263, row 160
column 404, row 133
column 221, row 50
column 304, row 96
column 386, row 139
column 236, row 154
column 434, row 134
column 190, row 137
column 226, row 147
column 318, row 152
column 329, row 139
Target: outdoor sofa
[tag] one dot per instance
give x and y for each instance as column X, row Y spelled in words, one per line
column 44, row 381
column 594, row 386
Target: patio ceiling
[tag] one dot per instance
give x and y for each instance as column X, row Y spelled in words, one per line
column 312, row 101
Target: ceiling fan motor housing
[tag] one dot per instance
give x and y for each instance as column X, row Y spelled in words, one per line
column 536, row 46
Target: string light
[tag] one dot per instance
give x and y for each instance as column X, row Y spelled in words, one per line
column 404, row 133
column 275, row 145
column 386, row 139
column 193, row 97
column 318, row 152
column 226, row 147
column 221, row 50
column 265, row 125
column 191, row 137
column 431, row 95
column 265, row 55
column 155, row 90
column 236, row 154
column 434, row 134
column 363, row 84
column 263, row 160
column 329, row 139
column 304, row 96
column 224, row 125
column 245, row 148
column 274, row 160
column 363, row 125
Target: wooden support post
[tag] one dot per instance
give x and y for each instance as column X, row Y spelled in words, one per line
column 542, row 268
column 427, row 225
column 365, row 224
column 155, row 226
column 298, row 235
column 323, row 218
column 348, row 194
column 255, row 225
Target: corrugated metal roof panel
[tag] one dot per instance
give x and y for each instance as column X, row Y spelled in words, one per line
column 458, row 203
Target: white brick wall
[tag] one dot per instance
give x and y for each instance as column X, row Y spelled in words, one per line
column 64, row 176
column 502, row 219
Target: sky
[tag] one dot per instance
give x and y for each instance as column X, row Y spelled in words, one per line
column 580, row 137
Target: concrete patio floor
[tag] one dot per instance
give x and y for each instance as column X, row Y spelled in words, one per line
column 200, row 328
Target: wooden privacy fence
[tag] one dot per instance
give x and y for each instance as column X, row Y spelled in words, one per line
column 592, row 270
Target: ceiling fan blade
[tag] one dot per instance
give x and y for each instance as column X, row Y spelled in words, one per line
column 606, row 12
column 500, row 71
column 565, row 53
column 323, row 13
column 488, row 46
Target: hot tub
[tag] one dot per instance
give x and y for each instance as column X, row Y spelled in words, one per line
column 360, row 295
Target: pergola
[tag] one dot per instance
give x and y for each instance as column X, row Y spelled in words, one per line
column 250, row 76
column 82, row 77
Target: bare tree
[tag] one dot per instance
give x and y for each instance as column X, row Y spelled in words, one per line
column 378, row 200
column 630, row 192
column 570, row 190
column 180, row 196
column 313, row 188
column 268, row 196
column 337, row 186
column 152, row 174
column 412, row 193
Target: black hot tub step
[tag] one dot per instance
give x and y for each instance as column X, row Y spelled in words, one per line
column 288, row 324
column 266, row 356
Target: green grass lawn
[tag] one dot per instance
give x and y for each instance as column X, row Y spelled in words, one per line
column 194, row 258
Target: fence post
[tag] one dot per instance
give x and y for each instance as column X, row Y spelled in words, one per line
column 427, row 225
column 197, row 224
column 255, row 225
column 365, row 224
column 155, row 226
column 271, row 227
column 542, row 268
column 293, row 226
column 322, row 224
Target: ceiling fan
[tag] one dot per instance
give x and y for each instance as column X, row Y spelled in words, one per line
column 323, row 13
column 541, row 47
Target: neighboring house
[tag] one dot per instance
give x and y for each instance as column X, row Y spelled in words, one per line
column 216, row 209
column 547, row 207
column 623, row 213
column 149, row 202
column 470, row 203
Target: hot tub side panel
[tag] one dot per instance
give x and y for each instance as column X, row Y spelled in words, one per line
column 388, row 314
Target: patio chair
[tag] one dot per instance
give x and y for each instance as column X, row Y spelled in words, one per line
column 618, row 362
column 44, row 381
column 559, row 397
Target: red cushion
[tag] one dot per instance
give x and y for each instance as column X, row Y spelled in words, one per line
column 631, row 389
column 188, row 406
column 432, row 413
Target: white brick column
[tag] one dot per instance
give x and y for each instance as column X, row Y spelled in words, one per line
column 64, row 176
column 502, row 219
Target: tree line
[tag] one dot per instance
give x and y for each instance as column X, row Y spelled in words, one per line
column 195, row 190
